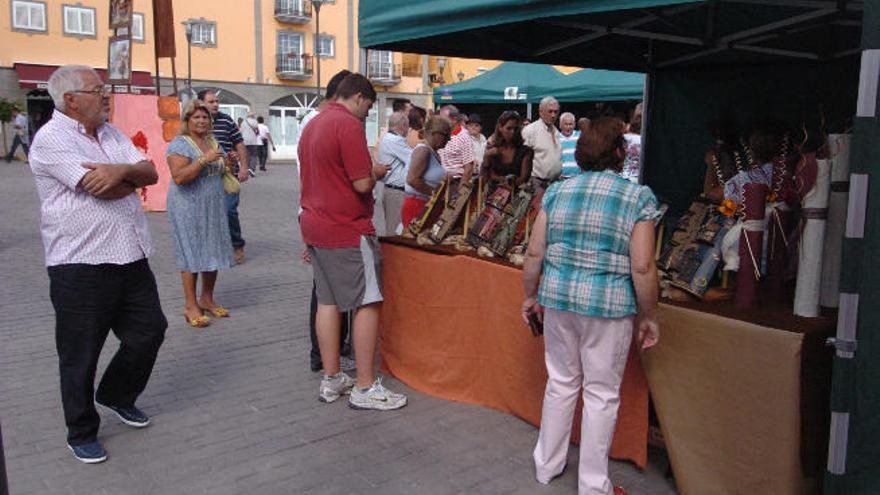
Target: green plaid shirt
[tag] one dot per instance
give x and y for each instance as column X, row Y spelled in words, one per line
column 590, row 219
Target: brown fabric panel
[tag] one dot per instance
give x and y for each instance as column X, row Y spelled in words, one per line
column 163, row 28
column 727, row 394
column 451, row 328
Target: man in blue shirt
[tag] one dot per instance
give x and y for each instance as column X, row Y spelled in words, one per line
column 227, row 134
column 393, row 158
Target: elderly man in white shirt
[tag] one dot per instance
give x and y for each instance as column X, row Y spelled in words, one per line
column 541, row 136
column 97, row 244
column 393, row 158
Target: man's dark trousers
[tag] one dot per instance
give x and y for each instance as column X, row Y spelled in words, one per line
column 344, row 338
column 16, row 142
column 232, row 201
column 89, row 301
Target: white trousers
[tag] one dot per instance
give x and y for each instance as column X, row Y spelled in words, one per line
column 586, row 353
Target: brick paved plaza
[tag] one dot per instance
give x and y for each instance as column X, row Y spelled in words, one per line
column 234, row 406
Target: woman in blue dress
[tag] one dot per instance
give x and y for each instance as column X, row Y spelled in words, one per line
column 197, row 211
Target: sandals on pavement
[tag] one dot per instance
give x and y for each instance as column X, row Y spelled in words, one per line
column 218, row 311
column 198, row 322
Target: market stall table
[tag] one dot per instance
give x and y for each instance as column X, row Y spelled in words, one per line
column 740, row 403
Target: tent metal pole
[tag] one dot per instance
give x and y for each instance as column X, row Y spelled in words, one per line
column 855, row 342
column 529, row 111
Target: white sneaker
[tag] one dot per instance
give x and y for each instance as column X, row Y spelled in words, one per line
column 376, row 397
column 333, row 387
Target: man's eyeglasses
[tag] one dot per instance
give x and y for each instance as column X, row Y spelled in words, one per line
column 94, row 92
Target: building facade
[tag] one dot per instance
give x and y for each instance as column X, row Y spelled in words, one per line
column 260, row 55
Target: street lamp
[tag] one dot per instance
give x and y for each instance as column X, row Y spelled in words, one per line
column 317, row 4
column 441, row 64
column 188, row 26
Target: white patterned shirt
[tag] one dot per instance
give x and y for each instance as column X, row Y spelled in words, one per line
column 76, row 226
column 540, row 137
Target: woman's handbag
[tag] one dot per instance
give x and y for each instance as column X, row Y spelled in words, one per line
column 230, row 182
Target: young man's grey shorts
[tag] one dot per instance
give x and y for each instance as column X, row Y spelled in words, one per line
column 348, row 277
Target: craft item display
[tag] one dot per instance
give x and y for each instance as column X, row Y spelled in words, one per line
column 839, row 153
column 812, row 242
column 751, row 245
column 487, row 223
column 513, row 213
column 699, row 261
column 430, row 213
column 453, row 210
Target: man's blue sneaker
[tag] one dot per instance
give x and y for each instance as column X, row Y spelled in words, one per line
column 89, row 453
column 132, row 416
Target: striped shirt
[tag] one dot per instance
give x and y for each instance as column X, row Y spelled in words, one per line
column 569, row 165
column 457, row 153
column 77, row 227
column 226, row 132
column 590, row 219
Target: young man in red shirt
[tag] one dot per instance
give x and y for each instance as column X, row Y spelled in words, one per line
column 336, row 223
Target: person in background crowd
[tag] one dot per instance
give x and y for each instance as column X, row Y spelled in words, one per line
column 417, row 116
column 590, row 309
column 583, row 124
column 97, row 244
column 425, row 172
column 226, row 133
column 541, row 136
column 20, row 124
column 475, row 130
column 345, row 361
column 568, row 137
column 457, row 157
column 393, row 156
column 337, row 227
column 199, row 227
column 506, row 154
column 239, row 121
column 250, row 135
column 266, row 138
column 401, row 105
column 632, row 163
column 457, row 119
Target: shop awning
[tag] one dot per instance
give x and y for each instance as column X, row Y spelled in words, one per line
column 512, row 82
column 634, row 35
column 35, row 76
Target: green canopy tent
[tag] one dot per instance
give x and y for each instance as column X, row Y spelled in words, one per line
column 519, row 82
column 816, row 61
column 509, row 82
column 597, row 85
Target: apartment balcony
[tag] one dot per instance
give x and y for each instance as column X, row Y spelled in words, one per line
column 383, row 73
column 293, row 66
column 293, row 11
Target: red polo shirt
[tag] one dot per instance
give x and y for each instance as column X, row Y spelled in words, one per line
column 332, row 154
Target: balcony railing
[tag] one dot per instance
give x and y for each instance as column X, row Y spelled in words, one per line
column 383, row 73
column 294, row 12
column 413, row 69
column 293, row 66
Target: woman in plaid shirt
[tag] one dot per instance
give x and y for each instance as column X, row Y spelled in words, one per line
column 592, row 252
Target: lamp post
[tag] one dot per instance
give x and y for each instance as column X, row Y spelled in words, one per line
column 188, row 26
column 317, row 5
column 441, row 64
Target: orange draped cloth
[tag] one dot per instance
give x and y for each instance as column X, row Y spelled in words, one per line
column 451, row 328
